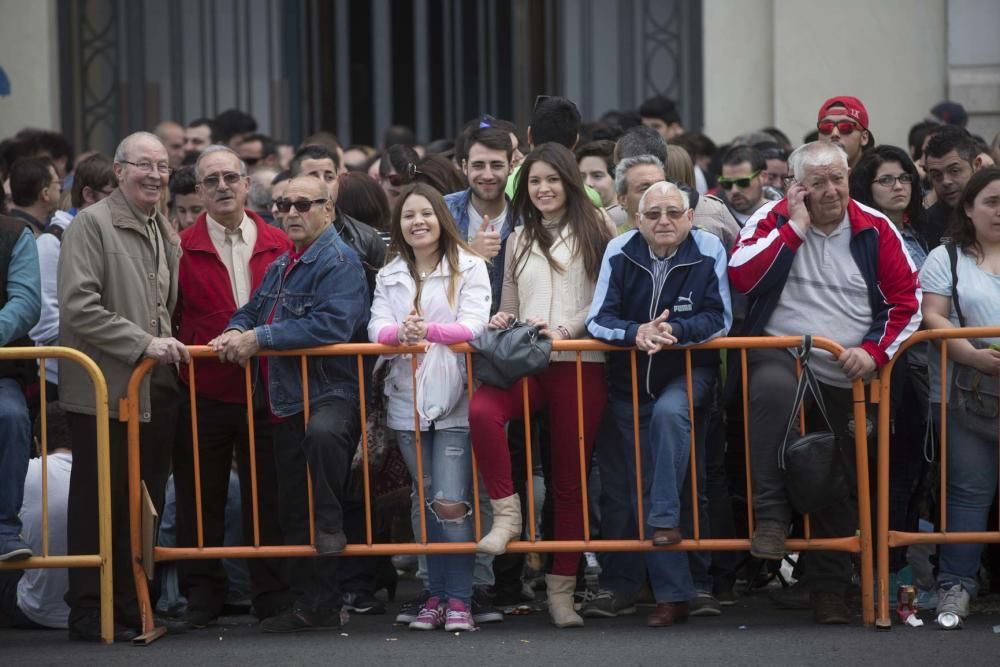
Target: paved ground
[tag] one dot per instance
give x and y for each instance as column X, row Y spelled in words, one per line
column 751, row 633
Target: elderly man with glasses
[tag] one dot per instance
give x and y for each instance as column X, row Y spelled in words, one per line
column 224, row 255
column 663, row 286
column 117, row 289
column 314, row 294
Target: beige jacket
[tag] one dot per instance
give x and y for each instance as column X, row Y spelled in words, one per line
column 107, row 292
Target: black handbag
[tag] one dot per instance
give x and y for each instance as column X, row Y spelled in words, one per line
column 504, row 356
column 974, row 392
column 812, row 464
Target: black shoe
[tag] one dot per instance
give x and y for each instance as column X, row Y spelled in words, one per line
column 14, row 549
column 364, row 604
column 483, row 610
column 829, row 608
column 795, row 596
column 86, row 627
column 198, row 619
column 330, row 544
column 300, row 620
column 409, row 610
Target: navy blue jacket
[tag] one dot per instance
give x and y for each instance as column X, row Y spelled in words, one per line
column 696, row 291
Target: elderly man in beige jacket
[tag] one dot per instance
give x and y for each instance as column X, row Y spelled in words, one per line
column 117, row 290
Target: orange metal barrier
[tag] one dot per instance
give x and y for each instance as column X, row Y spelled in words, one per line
column 860, row 543
column 102, row 559
column 893, row 538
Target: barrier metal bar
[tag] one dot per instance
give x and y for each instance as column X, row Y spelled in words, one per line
column 44, row 413
column 856, row 544
column 364, row 450
column 635, row 442
column 894, row 538
column 101, row 560
column 252, row 453
column 582, row 446
column 470, row 386
column 195, row 455
column 419, row 482
column 692, row 444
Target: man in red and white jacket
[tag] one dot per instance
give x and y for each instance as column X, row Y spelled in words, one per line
column 223, row 259
column 817, row 263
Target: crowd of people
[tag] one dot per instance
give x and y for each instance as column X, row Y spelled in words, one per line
column 628, row 230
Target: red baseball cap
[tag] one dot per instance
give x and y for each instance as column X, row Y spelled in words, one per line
column 852, row 107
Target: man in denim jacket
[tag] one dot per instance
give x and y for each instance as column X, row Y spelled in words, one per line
column 313, row 295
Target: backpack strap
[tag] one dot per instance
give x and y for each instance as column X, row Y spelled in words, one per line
column 54, row 229
column 953, row 260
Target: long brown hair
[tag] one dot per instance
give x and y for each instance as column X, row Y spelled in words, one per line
column 449, row 241
column 585, row 221
column 963, row 232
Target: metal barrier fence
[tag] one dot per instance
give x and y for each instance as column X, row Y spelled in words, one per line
column 893, row 538
column 860, row 543
column 101, row 560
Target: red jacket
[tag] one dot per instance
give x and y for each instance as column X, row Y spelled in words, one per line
column 205, row 301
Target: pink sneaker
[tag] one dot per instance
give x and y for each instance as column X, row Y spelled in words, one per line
column 458, row 618
column 431, row 617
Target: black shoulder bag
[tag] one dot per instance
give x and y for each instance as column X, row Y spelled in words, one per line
column 975, row 393
column 812, row 464
column 504, row 356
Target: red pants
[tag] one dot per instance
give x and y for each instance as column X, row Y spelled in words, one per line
column 491, row 408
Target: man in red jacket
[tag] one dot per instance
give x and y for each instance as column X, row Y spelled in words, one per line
column 223, row 259
column 818, row 263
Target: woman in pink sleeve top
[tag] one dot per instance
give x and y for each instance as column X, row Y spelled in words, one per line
column 434, row 290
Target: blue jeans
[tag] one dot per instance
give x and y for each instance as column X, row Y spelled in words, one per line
column 447, row 474
column 664, row 445
column 482, row 575
column 972, row 486
column 15, row 449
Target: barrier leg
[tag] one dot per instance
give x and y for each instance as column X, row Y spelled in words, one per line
column 882, row 620
column 864, row 507
column 104, row 523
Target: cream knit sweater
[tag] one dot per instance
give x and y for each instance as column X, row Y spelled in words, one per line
column 559, row 298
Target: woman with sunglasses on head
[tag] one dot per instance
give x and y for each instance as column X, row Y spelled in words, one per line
column 550, row 272
column 433, row 290
column 967, row 268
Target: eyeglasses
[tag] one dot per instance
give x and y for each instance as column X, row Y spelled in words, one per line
column 674, row 214
column 149, row 167
column 744, row 182
column 888, row 181
column 212, row 182
column 400, row 179
column 844, row 127
column 302, row 206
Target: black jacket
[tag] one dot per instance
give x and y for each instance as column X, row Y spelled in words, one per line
column 366, row 242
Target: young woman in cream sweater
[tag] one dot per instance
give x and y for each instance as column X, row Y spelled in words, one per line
column 551, row 267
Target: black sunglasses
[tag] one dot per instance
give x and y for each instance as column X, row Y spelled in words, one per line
column 302, row 206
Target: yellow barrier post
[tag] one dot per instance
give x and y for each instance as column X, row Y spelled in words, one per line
column 101, row 560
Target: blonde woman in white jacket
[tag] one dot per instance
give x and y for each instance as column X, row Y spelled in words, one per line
column 435, row 290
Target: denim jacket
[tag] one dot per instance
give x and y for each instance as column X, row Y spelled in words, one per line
column 323, row 300
column 458, row 205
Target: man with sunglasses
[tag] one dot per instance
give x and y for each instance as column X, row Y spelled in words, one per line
column 316, row 161
column 223, row 259
column 258, row 151
column 312, row 295
column 843, row 120
column 742, row 181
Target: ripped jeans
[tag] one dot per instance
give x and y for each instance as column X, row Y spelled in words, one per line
column 447, row 468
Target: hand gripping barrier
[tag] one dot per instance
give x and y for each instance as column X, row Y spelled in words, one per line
column 893, row 538
column 100, row 560
column 861, row 543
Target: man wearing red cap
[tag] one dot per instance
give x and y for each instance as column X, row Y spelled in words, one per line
column 844, row 120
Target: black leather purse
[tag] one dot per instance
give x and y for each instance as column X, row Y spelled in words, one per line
column 504, row 356
column 812, row 464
